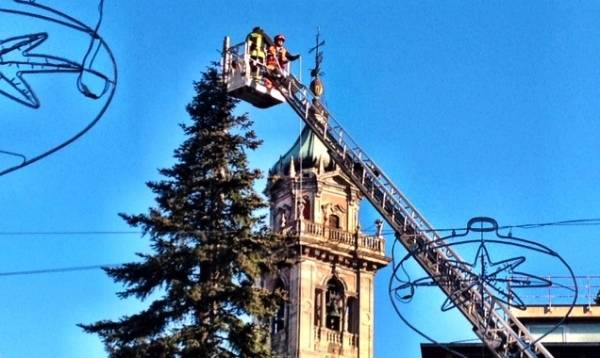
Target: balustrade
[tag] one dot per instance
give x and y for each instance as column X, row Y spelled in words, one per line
column 319, row 231
column 325, row 335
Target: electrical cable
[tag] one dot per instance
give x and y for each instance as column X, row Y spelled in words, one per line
column 107, row 232
column 66, row 233
column 574, row 222
column 56, row 270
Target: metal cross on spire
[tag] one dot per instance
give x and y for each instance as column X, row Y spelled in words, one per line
column 316, row 85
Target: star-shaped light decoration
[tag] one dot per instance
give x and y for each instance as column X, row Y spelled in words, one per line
column 492, row 278
column 16, row 60
column 484, row 290
column 495, row 280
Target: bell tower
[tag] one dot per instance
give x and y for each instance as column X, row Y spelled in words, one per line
column 330, row 280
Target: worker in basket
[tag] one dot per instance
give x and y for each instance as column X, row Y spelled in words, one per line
column 278, row 58
column 257, row 49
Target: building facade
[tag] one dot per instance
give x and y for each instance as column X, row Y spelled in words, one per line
column 577, row 336
column 332, row 263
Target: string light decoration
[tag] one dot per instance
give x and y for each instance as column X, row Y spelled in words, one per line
column 20, row 58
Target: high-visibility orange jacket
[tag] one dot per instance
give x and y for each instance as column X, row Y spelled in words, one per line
column 279, row 55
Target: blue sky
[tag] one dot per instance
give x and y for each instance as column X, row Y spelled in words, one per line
column 483, row 108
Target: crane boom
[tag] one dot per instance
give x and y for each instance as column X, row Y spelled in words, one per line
column 493, row 322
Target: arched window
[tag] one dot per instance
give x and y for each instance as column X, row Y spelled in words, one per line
column 306, row 208
column 279, row 321
column 352, row 315
column 334, row 221
column 334, row 305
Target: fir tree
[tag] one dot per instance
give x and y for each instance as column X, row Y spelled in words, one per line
column 209, row 247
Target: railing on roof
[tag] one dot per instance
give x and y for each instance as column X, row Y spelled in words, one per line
column 562, row 291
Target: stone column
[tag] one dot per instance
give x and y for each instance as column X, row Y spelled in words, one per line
column 365, row 329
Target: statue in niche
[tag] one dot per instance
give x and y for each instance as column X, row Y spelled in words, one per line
column 379, row 227
column 327, row 210
column 303, row 210
column 282, row 219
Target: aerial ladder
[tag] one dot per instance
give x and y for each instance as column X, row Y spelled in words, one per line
column 493, row 322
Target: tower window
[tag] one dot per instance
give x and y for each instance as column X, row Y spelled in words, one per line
column 334, row 221
column 334, row 305
column 352, row 315
column 306, row 208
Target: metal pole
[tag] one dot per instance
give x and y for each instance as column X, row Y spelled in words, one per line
column 225, row 60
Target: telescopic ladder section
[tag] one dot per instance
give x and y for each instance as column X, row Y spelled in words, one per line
column 495, row 325
column 492, row 321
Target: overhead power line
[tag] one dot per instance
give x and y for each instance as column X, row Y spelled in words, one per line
column 109, row 232
column 66, row 233
column 56, row 270
column 574, row 222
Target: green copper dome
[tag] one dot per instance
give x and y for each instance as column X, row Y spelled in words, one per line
column 308, row 149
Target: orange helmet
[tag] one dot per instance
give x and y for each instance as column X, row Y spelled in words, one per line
column 280, row 37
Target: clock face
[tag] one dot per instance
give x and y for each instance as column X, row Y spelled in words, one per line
column 57, row 79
